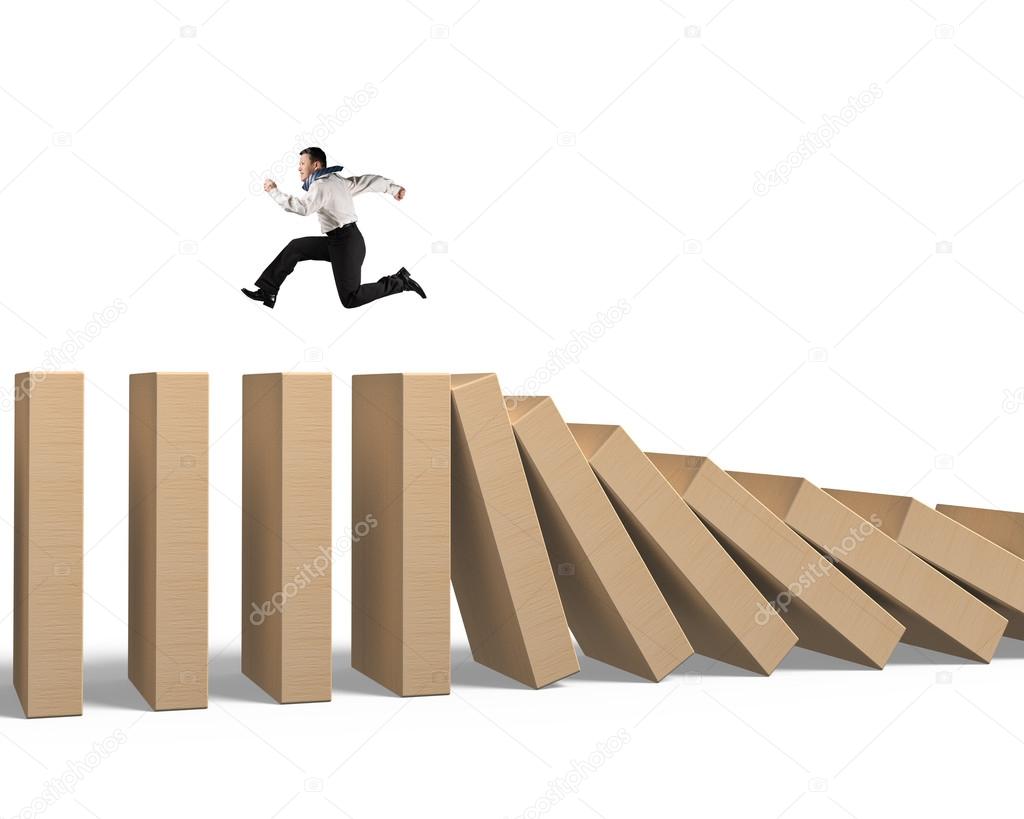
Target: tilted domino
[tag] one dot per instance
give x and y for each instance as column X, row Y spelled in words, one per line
column 500, row 570
column 827, row 610
column 938, row 613
column 613, row 605
column 715, row 603
column 986, row 569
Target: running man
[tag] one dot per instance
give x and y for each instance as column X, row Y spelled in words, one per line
column 329, row 195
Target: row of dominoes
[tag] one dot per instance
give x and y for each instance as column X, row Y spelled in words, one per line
column 546, row 531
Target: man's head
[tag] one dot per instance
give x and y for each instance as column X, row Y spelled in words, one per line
column 311, row 159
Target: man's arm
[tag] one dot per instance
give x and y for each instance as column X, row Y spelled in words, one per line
column 371, row 182
column 294, row 204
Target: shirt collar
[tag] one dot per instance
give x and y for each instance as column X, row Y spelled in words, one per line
column 318, row 173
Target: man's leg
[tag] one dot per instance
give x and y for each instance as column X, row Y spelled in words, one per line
column 347, row 249
column 297, row 250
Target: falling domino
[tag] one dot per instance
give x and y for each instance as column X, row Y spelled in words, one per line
column 938, row 613
column 828, row 611
column 1005, row 529
column 987, row 570
column 715, row 603
column 613, row 605
column 500, row 571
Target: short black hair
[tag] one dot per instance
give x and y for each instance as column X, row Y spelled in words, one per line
column 315, row 155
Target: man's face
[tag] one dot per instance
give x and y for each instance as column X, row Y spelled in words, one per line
column 306, row 166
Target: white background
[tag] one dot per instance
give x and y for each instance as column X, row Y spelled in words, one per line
column 572, row 156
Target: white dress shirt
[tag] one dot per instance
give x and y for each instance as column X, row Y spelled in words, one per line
column 330, row 197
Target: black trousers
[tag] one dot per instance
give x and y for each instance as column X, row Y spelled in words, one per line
column 345, row 249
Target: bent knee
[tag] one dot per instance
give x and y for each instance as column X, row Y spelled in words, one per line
column 292, row 250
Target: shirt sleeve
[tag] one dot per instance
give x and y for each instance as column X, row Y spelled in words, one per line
column 371, row 182
column 302, row 206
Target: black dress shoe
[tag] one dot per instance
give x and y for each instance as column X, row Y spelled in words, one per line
column 409, row 283
column 259, row 294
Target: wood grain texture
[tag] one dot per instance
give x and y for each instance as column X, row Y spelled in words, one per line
column 713, row 600
column 614, row 608
column 401, row 531
column 500, row 571
column 286, row 534
column 167, row 551
column 986, row 569
column 828, row 612
column 938, row 613
column 48, row 543
column 1005, row 529
column 261, row 529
